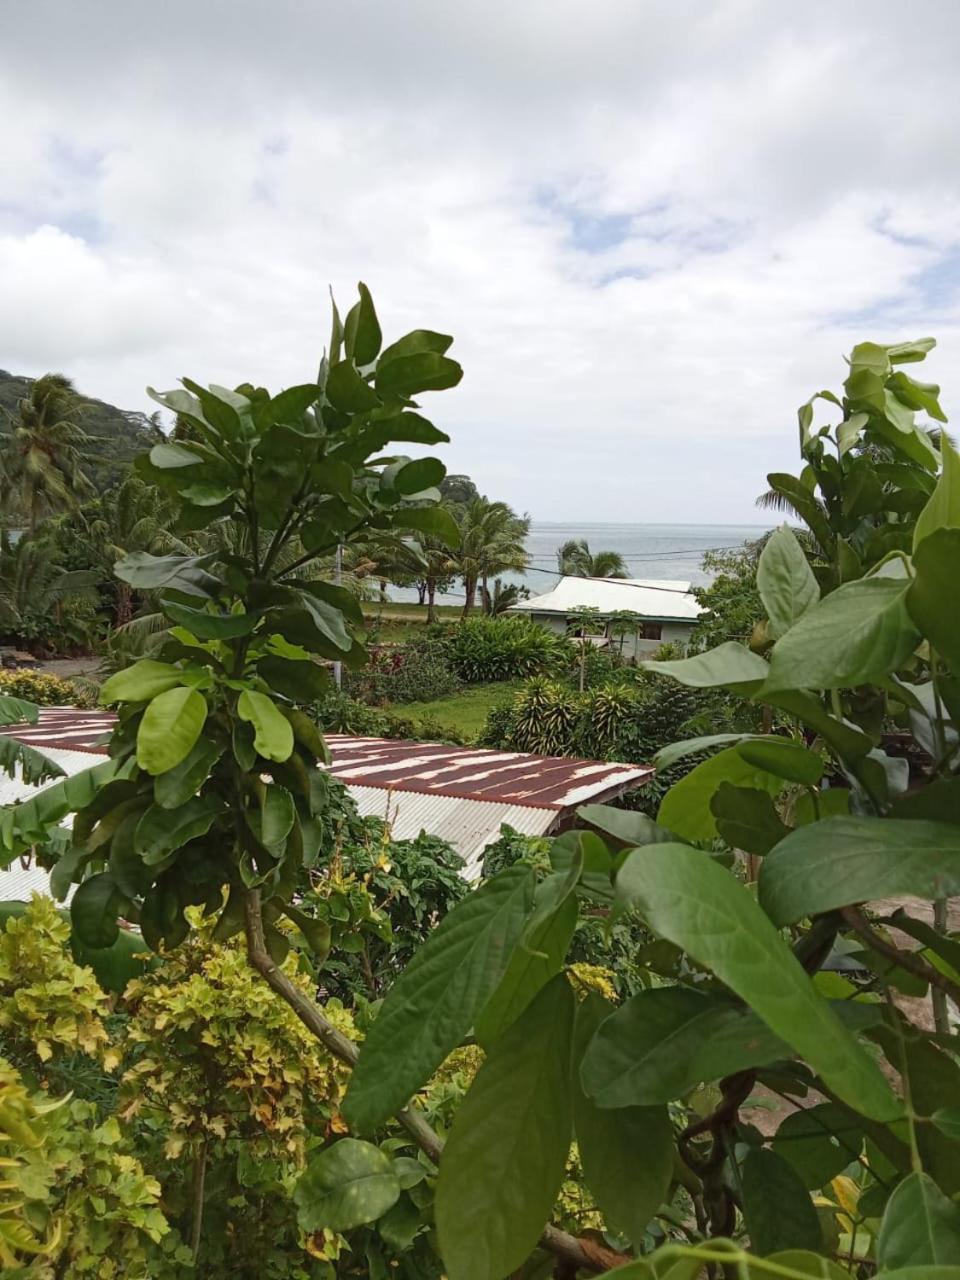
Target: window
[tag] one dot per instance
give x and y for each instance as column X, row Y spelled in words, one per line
column 651, row 631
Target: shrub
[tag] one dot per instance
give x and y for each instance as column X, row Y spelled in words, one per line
column 40, row 687
column 416, row 672
column 486, row 649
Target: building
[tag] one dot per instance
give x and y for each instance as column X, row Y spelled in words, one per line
column 661, row 611
column 461, row 794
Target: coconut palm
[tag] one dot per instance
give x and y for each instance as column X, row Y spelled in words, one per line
column 34, row 588
column 43, row 450
column 492, row 539
column 132, row 517
column 575, row 560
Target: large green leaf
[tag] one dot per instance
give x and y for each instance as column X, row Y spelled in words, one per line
column 538, row 956
column 345, row 1186
column 94, row 910
column 434, row 521
column 178, row 785
column 301, row 680
column 148, row 572
column 361, row 329
column 920, row 1226
column 943, row 506
column 438, row 996
column 628, row 1188
column 16, row 711
column 144, row 680
column 693, row 902
column 933, row 600
column 504, row 1160
column 850, row 859
column 819, row 1142
column 785, row 581
column 785, row 759
column 747, row 819
column 407, row 375
column 686, row 808
column 273, row 735
column 33, row 766
column 777, row 1209
column 662, row 1043
column 161, row 831
column 684, row 747
column 170, row 727
column 857, row 634
column 625, row 827
column 728, row 666
column 211, row 626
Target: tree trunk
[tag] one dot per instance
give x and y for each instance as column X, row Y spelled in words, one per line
column 431, row 600
column 485, row 595
column 470, row 591
column 421, row 591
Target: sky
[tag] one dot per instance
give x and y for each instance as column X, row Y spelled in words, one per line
column 653, row 228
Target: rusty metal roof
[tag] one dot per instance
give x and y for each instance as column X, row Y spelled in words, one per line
column 461, row 794
column 427, row 768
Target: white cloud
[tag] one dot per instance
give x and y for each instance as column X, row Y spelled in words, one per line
column 653, row 228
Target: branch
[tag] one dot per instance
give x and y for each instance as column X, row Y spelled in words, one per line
column 561, row 1244
column 908, row 960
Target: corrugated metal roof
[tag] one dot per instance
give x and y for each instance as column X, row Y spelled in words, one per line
column 662, row 600
column 461, row 794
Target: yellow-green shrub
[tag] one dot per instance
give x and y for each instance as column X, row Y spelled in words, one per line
column 38, row 686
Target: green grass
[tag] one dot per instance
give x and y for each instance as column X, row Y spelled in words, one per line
column 465, row 711
column 395, row 622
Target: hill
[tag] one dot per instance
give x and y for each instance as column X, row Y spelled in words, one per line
column 117, row 435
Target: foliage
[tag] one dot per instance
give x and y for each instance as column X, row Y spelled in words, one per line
column 750, row 1002
column 490, row 541
column 74, row 1202
column 380, row 898
column 484, row 649
column 417, row 672
column 42, row 451
column 41, row 687
column 48, row 1004
column 731, row 600
column 42, row 604
column 575, row 559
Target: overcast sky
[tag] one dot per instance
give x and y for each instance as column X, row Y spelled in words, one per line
column 653, row 228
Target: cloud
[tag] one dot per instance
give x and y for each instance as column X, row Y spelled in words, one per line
column 653, row 228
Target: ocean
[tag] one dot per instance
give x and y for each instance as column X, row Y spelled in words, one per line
column 650, row 550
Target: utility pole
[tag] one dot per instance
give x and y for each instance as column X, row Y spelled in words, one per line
column 338, row 666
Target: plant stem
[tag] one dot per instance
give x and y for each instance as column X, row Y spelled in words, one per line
column 938, row 998
column 904, row 959
column 199, row 1181
column 560, row 1243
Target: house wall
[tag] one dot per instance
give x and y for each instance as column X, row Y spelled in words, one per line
column 633, row 646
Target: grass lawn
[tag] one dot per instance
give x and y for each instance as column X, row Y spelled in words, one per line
column 465, row 711
column 396, row 622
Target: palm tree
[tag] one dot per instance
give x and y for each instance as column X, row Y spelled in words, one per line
column 132, row 517
column 43, row 451
column 575, row 560
column 492, row 539
column 33, row 585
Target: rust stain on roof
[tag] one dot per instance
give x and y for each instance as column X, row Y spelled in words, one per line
column 428, row 768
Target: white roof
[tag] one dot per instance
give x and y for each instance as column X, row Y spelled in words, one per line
column 658, row 598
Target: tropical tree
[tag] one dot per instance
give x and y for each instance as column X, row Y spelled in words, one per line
column 575, row 560
column 134, row 516
column 35, row 590
column 43, row 451
column 492, row 538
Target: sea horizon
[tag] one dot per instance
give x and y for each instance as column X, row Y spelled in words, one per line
column 658, row 551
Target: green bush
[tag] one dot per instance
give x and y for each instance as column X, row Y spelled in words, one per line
column 416, row 672
column 39, row 687
column 485, row 649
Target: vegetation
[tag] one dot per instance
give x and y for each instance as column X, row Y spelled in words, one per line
column 575, row 559
column 553, row 1067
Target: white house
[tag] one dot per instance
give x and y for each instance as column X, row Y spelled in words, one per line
column 665, row 611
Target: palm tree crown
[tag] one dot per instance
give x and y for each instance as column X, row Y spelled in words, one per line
column 492, row 538
column 43, row 451
column 574, row 560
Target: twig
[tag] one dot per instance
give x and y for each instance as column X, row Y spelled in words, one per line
column 561, row 1244
column 907, row 960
